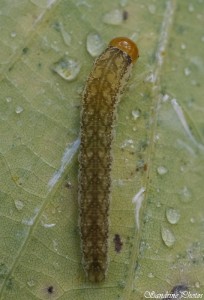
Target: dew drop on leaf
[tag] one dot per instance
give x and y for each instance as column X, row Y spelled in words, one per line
column 67, row 68
column 168, row 237
column 94, row 44
column 172, row 215
column 162, row 170
column 19, row 109
column 113, row 17
column 19, row 204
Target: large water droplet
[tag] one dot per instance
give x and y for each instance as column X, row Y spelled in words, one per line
column 172, row 215
column 168, row 237
column 113, row 17
column 94, row 44
column 19, row 204
column 67, row 68
column 162, row 170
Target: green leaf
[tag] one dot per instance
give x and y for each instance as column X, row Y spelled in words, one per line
column 158, row 150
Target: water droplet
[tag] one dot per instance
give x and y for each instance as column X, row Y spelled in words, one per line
column 165, row 98
column 151, row 77
column 187, row 71
column 113, row 17
column 150, row 275
column 67, row 68
column 186, row 195
column 135, row 114
column 183, row 46
column 162, row 170
column 66, row 36
column 8, row 99
column 172, row 215
column 190, row 7
column 202, row 38
column 123, row 3
column 94, row 44
column 197, row 284
column 19, row 109
column 31, row 282
column 168, row 237
column 152, row 8
column 13, row 34
column 192, row 220
column 19, row 204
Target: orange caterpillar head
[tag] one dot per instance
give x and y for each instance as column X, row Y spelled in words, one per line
column 127, row 46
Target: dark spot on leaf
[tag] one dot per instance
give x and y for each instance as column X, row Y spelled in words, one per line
column 125, row 15
column 50, row 289
column 177, row 292
column 68, row 184
column 9, row 284
column 25, row 50
column 118, row 243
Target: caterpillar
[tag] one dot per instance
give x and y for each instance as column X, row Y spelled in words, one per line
column 102, row 92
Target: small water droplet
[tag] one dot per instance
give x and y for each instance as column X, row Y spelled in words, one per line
column 183, row 46
column 187, row 71
column 123, row 3
column 8, row 99
column 168, row 237
column 19, row 204
column 135, row 114
column 150, row 275
column 151, row 77
column 31, row 282
column 192, row 220
column 19, row 109
column 94, row 44
column 67, row 68
column 197, row 284
column 66, row 36
column 172, row 215
column 113, row 17
column 165, row 98
column 202, row 38
column 152, row 8
column 161, row 170
column 186, row 195
column 13, row 34
column 190, row 7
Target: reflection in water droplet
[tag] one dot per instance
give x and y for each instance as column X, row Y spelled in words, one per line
column 113, row 17
column 19, row 109
column 162, row 170
column 135, row 114
column 172, row 215
column 19, row 204
column 94, row 44
column 168, row 237
column 67, row 68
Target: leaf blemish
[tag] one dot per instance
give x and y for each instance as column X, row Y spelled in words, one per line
column 118, row 243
